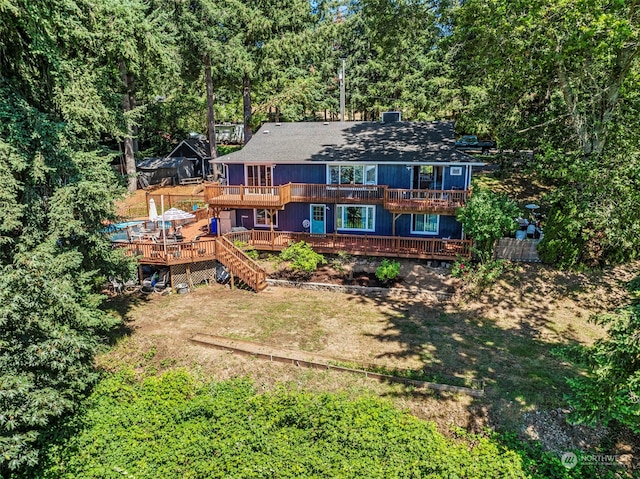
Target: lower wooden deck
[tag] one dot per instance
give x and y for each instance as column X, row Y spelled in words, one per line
column 387, row 246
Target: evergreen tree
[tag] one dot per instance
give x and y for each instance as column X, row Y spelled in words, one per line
column 57, row 190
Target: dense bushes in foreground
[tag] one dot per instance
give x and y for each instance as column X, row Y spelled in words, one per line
column 171, row 428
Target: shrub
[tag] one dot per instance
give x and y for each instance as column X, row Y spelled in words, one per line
column 249, row 250
column 302, row 257
column 486, row 217
column 340, row 260
column 478, row 276
column 388, row 270
column 171, row 427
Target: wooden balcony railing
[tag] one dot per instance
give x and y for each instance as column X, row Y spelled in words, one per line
column 424, row 201
column 366, row 194
column 392, row 246
column 220, row 249
column 247, row 196
column 173, row 253
column 394, row 200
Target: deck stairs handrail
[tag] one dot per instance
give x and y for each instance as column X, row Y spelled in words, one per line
column 240, row 265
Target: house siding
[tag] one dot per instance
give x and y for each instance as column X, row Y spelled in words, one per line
column 236, row 175
column 454, row 182
column 448, row 228
column 314, row 174
column 394, row 176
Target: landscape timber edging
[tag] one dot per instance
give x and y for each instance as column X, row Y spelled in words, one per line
column 363, row 290
column 251, row 348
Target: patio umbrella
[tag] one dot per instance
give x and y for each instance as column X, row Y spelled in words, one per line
column 153, row 211
column 174, row 214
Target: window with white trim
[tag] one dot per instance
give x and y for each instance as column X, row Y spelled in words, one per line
column 355, row 217
column 259, row 175
column 455, row 171
column 262, row 218
column 425, row 224
column 352, row 174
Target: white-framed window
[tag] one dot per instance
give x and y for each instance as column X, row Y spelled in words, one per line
column 425, row 224
column 352, row 174
column 455, row 171
column 262, row 218
column 355, row 217
column 259, row 175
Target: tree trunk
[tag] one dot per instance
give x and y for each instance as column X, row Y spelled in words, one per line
column 246, row 104
column 211, row 117
column 129, row 158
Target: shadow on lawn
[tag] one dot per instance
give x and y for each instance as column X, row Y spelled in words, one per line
column 514, row 355
column 121, row 305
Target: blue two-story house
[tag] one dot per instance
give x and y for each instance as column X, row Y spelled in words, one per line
column 398, row 180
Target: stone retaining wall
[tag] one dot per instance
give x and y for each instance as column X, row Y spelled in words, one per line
column 365, row 290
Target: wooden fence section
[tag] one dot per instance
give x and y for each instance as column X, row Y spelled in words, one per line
column 392, row 246
column 394, row 200
column 220, row 249
column 182, row 202
column 518, row 250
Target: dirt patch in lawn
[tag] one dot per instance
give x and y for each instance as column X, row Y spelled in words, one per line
column 506, row 337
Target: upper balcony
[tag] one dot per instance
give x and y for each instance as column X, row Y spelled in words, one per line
column 399, row 201
column 443, row 202
column 240, row 196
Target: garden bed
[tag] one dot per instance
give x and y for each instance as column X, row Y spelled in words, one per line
column 326, row 274
column 361, row 271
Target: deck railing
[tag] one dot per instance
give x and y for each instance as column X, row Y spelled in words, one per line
column 393, row 199
column 240, row 265
column 249, row 196
column 401, row 200
column 369, row 194
column 220, row 249
column 424, row 248
column 171, row 253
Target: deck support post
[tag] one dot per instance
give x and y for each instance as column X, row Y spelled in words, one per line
column 393, row 225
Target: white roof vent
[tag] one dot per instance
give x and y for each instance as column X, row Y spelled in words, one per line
column 391, row 116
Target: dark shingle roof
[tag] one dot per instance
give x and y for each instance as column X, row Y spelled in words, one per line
column 156, row 163
column 404, row 142
column 200, row 149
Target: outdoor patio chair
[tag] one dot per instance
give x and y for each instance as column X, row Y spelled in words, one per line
column 148, row 284
column 162, row 283
column 198, row 246
column 116, row 285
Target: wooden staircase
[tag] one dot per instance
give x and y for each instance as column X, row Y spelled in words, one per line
column 240, row 265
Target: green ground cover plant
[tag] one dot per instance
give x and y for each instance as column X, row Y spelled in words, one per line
column 172, row 427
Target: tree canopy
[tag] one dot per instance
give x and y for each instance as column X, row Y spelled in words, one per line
column 86, row 84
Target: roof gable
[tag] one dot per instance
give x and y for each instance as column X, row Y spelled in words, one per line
column 191, row 147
